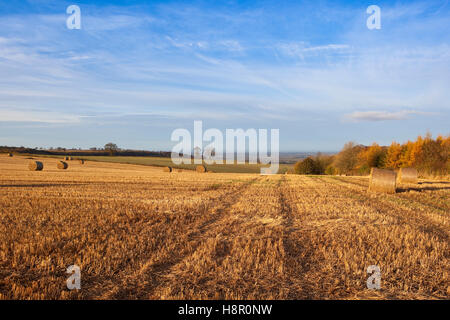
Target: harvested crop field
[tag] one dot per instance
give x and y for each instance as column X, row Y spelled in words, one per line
column 140, row 233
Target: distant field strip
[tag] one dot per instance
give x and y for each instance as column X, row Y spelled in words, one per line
column 163, row 162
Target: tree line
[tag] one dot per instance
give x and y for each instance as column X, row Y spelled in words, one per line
column 110, row 149
column 429, row 156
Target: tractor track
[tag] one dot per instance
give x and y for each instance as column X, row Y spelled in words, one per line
column 384, row 206
column 151, row 275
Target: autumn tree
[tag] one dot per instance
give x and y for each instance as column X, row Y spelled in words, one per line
column 346, row 160
column 446, row 152
column 394, row 156
column 370, row 157
column 306, row 166
column 429, row 155
column 323, row 161
column 407, row 158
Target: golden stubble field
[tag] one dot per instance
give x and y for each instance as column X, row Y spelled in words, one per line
column 140, row 233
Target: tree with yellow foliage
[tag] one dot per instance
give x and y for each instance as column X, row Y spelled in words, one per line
column 370, row 157
column 406, row 159
column 394, row 156
column 446, row 152
column 429, row 156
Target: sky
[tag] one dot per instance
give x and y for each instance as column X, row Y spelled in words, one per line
column 138, row 70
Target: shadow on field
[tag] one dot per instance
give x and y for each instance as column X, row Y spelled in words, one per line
column 400, row 190
column 435, row 182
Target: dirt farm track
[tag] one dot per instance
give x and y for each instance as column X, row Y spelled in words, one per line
column 140, row 233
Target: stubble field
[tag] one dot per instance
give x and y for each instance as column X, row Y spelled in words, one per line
column 139, row 233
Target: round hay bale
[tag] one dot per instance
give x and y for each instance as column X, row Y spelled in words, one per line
column 70, row 159
column 200, row 169
column 167, row 169
column 407, row 175
column 382, row 180
column 35, row 166
column 10, row 154
column 81, row 161
column 62, row 165
column 66, row 158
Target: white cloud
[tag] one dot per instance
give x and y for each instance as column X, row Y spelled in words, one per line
column 223, row 45
column 327, row 47
column 300, row 49
column 383, row 115
column 232, row 45
column 37, row 116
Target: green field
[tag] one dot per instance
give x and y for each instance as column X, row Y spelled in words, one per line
column 164, row 162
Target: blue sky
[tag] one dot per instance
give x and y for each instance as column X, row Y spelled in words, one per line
column 137, row 70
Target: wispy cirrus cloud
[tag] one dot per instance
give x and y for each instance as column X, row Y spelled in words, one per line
column 38, row 116
column 384, row 115
column 300, row 49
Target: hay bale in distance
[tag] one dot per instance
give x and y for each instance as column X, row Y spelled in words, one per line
column 35, row 166
column 200, row 169
column 10, row 154
column 81, row 161
column 62, row 165
column 407, row 175
column 167, row 169
column 66, row 158
column 180, row 170
column 382, row 180
column 70, row 159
